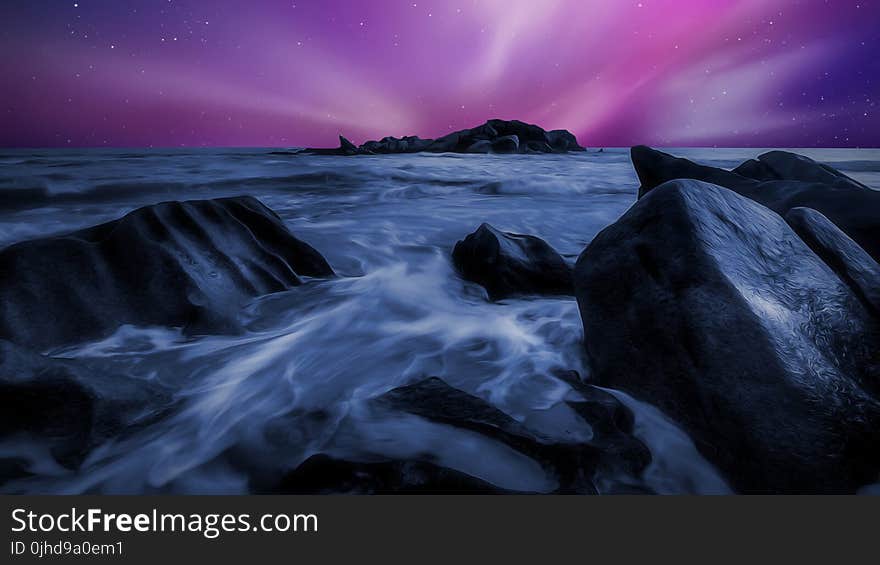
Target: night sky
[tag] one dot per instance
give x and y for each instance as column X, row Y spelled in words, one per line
column 291, row 73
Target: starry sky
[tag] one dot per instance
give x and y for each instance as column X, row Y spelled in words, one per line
column 786, row 73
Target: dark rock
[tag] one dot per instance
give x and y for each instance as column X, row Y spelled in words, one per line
column 710, row 307
column 782, row 181
column 612, row 424
column 506, row 144
column 508, row 264
column 755, row 169
column 417, row 144
column 435, row 400
column 523, row 131
column 480, row 146
column 485, row 131
column 181, row 264
column 71, row 406
column 455, row 142
column 562, row 140
column 611, row 421
column 783, row 165
column 408, row 144
column 573, row 464
column 538, row 147
column 495, row 136
column 851, row 263
column 346, row 146
column 324, row 474
column 386, row 145
column 655, row 168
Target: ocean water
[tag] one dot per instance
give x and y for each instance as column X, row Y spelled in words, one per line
column 397, row 313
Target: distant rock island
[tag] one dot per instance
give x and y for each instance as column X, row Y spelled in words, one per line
column 495, row 136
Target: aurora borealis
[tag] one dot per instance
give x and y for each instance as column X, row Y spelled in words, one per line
column 283, row 73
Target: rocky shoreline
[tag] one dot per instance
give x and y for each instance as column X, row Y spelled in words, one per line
column 494, row 136
column 744, row 304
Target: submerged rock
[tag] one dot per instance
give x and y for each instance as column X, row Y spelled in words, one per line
column 495, row 136
column 851, row 263
column 574, row 465
column 781, row 181
column 709, row 306
column 509, row 264
column 70, row 406
column 434, row 399
column 191, row 264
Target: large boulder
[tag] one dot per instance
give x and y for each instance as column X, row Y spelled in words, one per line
column 656, row 167
column 782, row 181
column 509, row 264
column 783, row 165
column 843, row 255
column 181, row 264
column 69, row 406
column 709, row 306
column 756, row 169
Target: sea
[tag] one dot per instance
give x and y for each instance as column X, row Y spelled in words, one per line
column 397, row 313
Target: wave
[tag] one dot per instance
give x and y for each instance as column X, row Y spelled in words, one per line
column 552, row 185
column 23, row 198
column 301, row 378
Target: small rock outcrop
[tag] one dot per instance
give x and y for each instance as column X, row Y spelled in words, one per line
column 179, row 264
column 707, row 305
column 495, row 136
column 508, row 264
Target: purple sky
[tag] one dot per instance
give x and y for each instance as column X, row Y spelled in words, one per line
column 794, row 73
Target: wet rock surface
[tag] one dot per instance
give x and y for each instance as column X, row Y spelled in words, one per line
column 612, row 451
column 508, row 264
column 844, row 256
column 708, row 305
column 182, row 264
column 70, row 407
column 780, row 181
